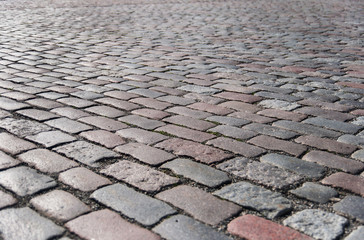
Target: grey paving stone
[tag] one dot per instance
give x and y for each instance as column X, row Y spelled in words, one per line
column 24, row 223
column 357, row 234
column 237, row 122
column 182, row 227
column 233, row 132
column 278, row 104
column 199, row 89
column 308, row 169
column 351, row 139
column 315, row 192
column 140, row 207
column 142, row 136
column 14, row 145
column 317, row 223
column 142, row 177
column 25, row 181
column 270, row 204
column 196, row 171
column 85, row 152
column 142, row 122
column 22, row 127
column 6, row 161
column 6, row 200
column 262, row 173
column 358, row 155
column 68, row 125
column 351, row 206
column 11, row 105
column 333, row 124
column 270, row 131
column 51, row 138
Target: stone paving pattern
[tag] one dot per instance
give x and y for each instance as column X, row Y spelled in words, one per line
column 181, row 119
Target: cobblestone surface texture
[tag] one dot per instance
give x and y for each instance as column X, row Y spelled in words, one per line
column 181, row 119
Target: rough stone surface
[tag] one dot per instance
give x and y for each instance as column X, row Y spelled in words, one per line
column 6, row 200
column 357, row 234
column 141, row 135
column 351, row 206
column 6, row 161
column 347, row 181
column 51, row 138
column 269, row 203
column 133, row 204
column 317, row 223
column 14, row 145
column 315, row 192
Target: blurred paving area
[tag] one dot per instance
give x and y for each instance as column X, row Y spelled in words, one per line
column 181, row 119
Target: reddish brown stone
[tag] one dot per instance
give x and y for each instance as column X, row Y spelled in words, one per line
column 151, row 113
column 326, row 144
column 346, row 181
column 238, row 97
column 277, row 144
column 281, row 114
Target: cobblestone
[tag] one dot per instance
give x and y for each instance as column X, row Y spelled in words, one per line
column 315, row 192
column 13, row 145
column 6, row 200
column 346, row 181
column 351, row 206
column 51, row 138
column 7, row 161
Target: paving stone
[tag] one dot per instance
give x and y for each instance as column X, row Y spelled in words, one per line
column 333, row 124
column 141, row 122
column 4, row 114
column 46, row 161
column 352, row 140
column 142, row 177
column 60, row 205
column 197, row 172
column 238, row 97
column 151, row 103
column 119, row 104
column 68, row 125
column 44, row 103
column 199, row 89
column 317, row 223
column 7, row 161
column 86, row 153
column 6, row 200
column 211, row 108
column 105, row 111
column 83, row 179
column 251, row 227
column 36, row 114
column 306, row 129
column 351, row 206
column 138, row 206
column 201, row 205
column 151, row 113
column 237, row 122
column 70, row 113
column 270, row 130
column 251, row 117
column 103, row 123
column 315, row 192
column 281, row 114
column 144, row 153
column 270, row 204
column 330, row 114
column 176, row 100
column 326, row 144
column 107, row 225
column 105, row 138
column 198, row 151
column 262, row 173
column 358, row 155
column 279, row 104
column 141, row 135
column 237, row 147
column 186, row 133
column 233, row 132
column 11, row 105
column 25, row 181
column 203, row 98
column 189, row 112
column 76, row 102
column 240, row 106
column 346, row 181
column 357, row 234
column 24, row 223
column 189, row 122
column 14, row 145
column 334, row 161
column 51, row 138
column 308, row 169
column 183, row 227
column 22, row 127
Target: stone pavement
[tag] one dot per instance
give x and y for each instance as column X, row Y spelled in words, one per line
column 181, row 119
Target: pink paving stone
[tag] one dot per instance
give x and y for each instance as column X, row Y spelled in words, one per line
column 186, row 133
column 277, row 144
column 215, row 109
column 121, row 95
column 70, row 113
column 14, row 145
column 200, row 204
column 189, row 112
column 351, row 84
column 103, row 123
column 252, row 117
column 144, row 153
column 60, row 205
column 198, row 151
column 241, row 106
column 6, row 200
column 326, row 144
column 141, row 135
column 359, row 112
column 6, row 161
column 334, row 161
column 169, row 91
column 120, row 104
column 139, row 78
column 108, row 225
column 105, row 138
column 346, row 181
column 151, row 113
column 105, row 111
column 151, row 103
column 46, row 161
column 325, row 105
column 330, row 114
column 238, row 97
column 83, row 179
column 251, row 227
column 190, row 122
column 236, row 147
column 281, row 114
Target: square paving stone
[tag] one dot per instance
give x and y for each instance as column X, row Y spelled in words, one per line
column 352, row 206
column 25, row 181
column 317, row 223
column 270, row 204
column 6, row 200
column 14, row 145
column 183, row 227
column 200, row 204
column 196, row 171
column 6, row 161
column 46, row 161
column 23, row 128
column 24, row 223
column 60, row 205
column 85, row 152
column 315, row 192
column 142, row 208
column 108, row 225
column 51, row 138
column 142, row 177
